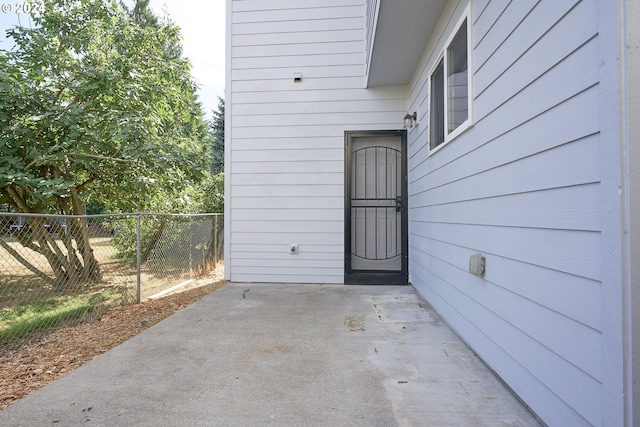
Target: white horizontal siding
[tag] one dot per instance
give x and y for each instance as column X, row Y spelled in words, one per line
column 524, row 73
column 319, row 119
column 308, row 72
column 290, row 262
column 539, row 285
column 315, row 60
column 287, row 139
column 297, row 215
column 274, row 252
column 583, row 351
column 261, row 5
column 560, row 170
column 303, row 38
column 532, row 30
column 305, row 166
column 296, row 49
column 304, row 276
column 286, row 179
column 288, row 227
column 559, row 393
column 293, row 28
column 264, row 240
column 489, row 33
column 301, row 95
column 499, row 143
column 319, row 107
column 298, row 15
column 565, row 208
column 266, row 191
column 290, row 155
column 562, row 250
column 522, row 187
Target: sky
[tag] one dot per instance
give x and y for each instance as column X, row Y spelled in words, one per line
column 203, row 31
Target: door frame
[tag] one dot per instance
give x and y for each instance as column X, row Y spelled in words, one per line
column 373, row 277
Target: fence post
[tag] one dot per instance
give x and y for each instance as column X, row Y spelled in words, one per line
column 138, row 257
column 215, row 241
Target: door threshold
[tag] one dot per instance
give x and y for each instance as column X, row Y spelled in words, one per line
column 376, row 279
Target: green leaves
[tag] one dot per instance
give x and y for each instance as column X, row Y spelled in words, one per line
column 98, row 100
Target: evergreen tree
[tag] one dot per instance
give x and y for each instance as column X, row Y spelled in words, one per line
column 216, row 130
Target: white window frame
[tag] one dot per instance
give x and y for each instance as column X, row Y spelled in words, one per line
column 448, row 137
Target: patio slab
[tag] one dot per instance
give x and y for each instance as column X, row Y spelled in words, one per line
column 283, row 355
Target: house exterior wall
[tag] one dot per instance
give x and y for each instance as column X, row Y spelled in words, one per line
column 285, row 140
column 524, row 187
column 541, row 184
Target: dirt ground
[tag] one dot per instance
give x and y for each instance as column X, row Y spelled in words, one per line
column 48, row 357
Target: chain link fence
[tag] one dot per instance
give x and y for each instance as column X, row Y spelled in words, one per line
column 57, row 269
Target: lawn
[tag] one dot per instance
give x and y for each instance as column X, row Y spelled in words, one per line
column 28, row 303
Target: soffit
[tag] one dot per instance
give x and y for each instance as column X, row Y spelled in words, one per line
column 402, row 32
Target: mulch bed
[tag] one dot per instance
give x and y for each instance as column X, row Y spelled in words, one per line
column 33, row 364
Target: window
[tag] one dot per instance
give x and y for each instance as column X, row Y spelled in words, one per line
column 437, row 105
column 449, row 89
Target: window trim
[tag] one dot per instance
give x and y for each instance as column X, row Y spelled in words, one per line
column 442, row 57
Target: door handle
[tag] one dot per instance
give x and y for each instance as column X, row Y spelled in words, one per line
column 399, row 204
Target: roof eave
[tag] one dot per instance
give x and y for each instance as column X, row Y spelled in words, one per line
column 400, row 35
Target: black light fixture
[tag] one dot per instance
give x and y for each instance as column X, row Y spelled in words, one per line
column 410, row 119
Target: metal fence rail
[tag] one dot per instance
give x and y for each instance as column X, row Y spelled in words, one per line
column 56, row 269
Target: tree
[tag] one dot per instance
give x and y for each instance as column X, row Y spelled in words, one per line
column 96, row 105
column 210, row 194
column 141, row 13
column 216, row 129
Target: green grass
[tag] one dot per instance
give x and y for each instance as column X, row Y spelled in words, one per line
column 29, row 316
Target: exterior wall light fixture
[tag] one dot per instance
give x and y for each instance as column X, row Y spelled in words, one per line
column 410, row 120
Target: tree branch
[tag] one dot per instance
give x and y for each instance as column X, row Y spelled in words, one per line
column 18, row 201
column 92, row 156
column 24, row 262
column 82, row 185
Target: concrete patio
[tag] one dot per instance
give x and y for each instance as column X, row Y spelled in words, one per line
column 284, row 355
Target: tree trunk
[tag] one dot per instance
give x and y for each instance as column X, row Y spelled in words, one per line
column 91, row 267
column 71, row 264
column 154, row 241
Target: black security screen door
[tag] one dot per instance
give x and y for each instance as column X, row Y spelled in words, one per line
column 376, row 213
